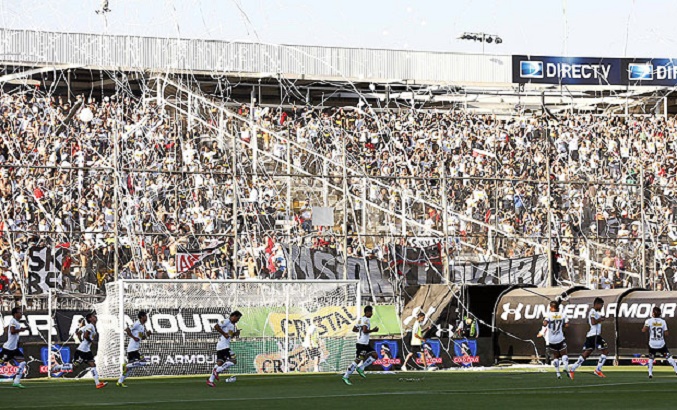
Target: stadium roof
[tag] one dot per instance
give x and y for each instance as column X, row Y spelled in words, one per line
column 266, row 60
column 473, row 80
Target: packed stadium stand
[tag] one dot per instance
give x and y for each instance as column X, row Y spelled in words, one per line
column 231, row 164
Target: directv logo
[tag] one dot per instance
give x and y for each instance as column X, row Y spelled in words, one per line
column 564, row 70
column 531, row 69
column 639, row 72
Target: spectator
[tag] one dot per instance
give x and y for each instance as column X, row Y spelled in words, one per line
column 4, row 282
column 494, row 168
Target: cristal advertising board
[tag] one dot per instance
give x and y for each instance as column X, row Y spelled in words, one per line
column 594, row 70
column 259, row 349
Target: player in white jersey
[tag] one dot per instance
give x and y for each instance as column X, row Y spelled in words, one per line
column 136, row 333
column 657, row 329
column 83, row 354
column 10, row 350
column 311, row 344
column 554, row 323
column 593, row 339
column 364, row 352
column 224, row 358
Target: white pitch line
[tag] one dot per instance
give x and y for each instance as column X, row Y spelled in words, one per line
column 521, row 390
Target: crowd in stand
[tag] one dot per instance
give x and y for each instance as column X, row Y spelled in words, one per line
column 600, row 177
column 67, row 167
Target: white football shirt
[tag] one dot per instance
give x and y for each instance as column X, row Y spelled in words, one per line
column 556, row 322
column 544, row 332
column 229, row 329
column 12, row 342
column 657, row 328
column 363, row 338
column 86, row 345
column 595, row 330
column 137, row 330
column 311, row 339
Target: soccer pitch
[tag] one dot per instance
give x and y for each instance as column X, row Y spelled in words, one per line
column 520, row 389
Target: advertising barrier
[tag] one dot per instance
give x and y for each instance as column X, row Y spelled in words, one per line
column 440, row 353
column 466, row 352
column 594, row 70
column 388, row 354
column 37, row 322
column 260, row 348
column 37, row 357
column 637, row 308
column 648, row 71
column 519, row 315
column 566, row 70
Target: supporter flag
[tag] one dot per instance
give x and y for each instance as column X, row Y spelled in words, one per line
column 45, row 267
column 186, row 261
column 477, row 152
column 130, row 184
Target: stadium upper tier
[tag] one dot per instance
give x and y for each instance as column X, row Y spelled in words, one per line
column 487, row 83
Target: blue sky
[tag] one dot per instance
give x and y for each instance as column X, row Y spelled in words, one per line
column 614, row 28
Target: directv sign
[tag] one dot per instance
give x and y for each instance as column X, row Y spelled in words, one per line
column 646, row 71
column 565, row 70
column 594, row 71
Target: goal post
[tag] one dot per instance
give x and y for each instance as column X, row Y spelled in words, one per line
column 277, row 319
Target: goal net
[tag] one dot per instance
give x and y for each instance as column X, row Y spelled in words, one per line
column 275, row 326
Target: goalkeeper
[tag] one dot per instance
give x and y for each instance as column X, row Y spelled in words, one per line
column 136, row 333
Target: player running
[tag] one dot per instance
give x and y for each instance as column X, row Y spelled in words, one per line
column 224, row 359
column 364, row 353
column 554, row 324
column 136, row 333
column 10, row 350
column 593, row 339
column 83, row 354
column 657, row 329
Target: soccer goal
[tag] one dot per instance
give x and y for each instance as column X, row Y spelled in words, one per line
column 277, row 316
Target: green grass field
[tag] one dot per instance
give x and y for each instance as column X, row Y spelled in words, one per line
column 520, row 389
